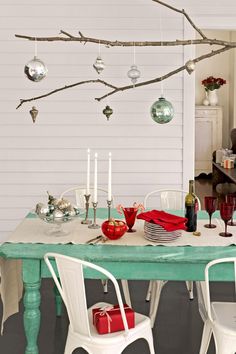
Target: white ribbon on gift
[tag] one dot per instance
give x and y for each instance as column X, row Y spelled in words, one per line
column 103, row 311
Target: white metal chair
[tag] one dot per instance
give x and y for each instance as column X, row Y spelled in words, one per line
column 80, row 202
column 221, row 315
column 167, row 199
column 80, row 191
column 81, row 332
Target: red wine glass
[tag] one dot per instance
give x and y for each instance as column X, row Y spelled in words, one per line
column 210, row 206
column 226, row 212
column 130, row 216
column 231, row 198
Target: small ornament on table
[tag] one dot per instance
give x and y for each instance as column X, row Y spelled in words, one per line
column 34, row 112
column 107, row 112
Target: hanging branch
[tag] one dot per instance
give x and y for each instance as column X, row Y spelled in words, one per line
column 226, row 45
column 124, row 88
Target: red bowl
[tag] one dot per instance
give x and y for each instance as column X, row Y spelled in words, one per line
column 112, row 231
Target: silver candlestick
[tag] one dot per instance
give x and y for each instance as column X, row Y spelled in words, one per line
column 109, row 208
column 94, row 225
column 86, row 220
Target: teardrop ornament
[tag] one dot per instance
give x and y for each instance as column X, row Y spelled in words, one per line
column 34, row 112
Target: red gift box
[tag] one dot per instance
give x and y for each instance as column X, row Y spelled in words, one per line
column 108, row 318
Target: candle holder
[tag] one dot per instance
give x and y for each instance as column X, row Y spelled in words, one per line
column 109, row 208
column 86, row 221
column 94, row 225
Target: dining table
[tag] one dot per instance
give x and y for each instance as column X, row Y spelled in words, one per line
column 131, row 257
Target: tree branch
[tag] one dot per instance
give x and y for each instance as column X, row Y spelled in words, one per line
column 185, row 14
column 22, row 101
column 127, row 87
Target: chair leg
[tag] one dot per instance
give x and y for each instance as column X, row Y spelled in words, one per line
column 149, row 291
column 189, row 285
column 157, row 286
column 125, row 286
column 105, row 286
column 206, row 337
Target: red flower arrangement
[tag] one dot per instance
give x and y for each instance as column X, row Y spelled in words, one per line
column 212, row 83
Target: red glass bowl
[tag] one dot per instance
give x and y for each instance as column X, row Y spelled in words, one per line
column 112, row 231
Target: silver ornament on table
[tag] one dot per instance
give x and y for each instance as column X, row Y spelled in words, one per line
column 99, row 65
column 107, row 112
column 35, row 70
column 34, row 112
column 63, row 204
column 42, row 210
column 190, row 66
column 134, row 73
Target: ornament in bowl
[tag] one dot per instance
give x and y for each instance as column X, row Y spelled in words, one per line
column 114, row 229
column 57, row 212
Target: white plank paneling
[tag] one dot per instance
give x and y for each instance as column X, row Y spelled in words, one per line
column 51, row 154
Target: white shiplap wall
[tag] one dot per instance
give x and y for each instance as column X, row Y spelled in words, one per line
column 51, row 154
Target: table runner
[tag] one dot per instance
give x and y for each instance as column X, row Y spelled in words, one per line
column 33, row 230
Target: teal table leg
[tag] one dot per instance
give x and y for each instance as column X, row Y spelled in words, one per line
column 58, row 301
column 32, row 281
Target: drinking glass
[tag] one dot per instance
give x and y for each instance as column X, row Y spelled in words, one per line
column 210, row 206
column 226, row 212
column 130, row 216
column 231, row 198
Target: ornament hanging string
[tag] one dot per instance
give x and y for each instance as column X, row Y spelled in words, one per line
column 35, row 48
column 161, row 38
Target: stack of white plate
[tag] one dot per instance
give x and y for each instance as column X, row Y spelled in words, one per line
column 157, row 233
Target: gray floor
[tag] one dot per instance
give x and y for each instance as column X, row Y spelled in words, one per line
column 177, row 329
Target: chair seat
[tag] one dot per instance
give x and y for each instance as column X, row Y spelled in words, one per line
column 224, row 315
column 140, row 321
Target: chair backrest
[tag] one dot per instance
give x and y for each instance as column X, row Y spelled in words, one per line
column 80, row 191
column 72, row 289
column 207, row 279
column 170, row 198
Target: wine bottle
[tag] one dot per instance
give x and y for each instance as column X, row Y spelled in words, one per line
column 191, row 206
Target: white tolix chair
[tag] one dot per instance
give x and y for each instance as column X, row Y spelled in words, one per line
column 169, row 199
column 220, row 316
column 81, row 331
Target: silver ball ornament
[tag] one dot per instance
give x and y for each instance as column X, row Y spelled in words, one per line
column 35, row 70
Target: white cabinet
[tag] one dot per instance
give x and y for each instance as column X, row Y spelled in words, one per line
column 208, row 136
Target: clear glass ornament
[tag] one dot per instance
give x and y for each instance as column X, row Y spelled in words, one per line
column 35, row 70
column 134, row 73
column 99, row 65
column 162, row 111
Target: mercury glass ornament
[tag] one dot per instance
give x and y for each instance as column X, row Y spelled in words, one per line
column 190, row 66
column 107, row 112
column 99, row 65
column 34, row 112
column 134, row 73
column 35, row 70
column 162, row 111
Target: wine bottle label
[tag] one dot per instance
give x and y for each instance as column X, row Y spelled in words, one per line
column 191, row 215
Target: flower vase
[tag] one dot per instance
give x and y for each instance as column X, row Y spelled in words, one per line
column 212, row 97
column 206, row 102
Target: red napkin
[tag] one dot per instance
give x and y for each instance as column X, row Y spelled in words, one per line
column 168, row 221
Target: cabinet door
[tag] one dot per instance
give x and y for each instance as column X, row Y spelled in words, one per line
column 205, row 144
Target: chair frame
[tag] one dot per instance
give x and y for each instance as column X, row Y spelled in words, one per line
column 155, row 286
column 70, row 271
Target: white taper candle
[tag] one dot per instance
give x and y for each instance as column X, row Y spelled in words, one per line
column 109, row 177
column 88, row 173
column 95, row 191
